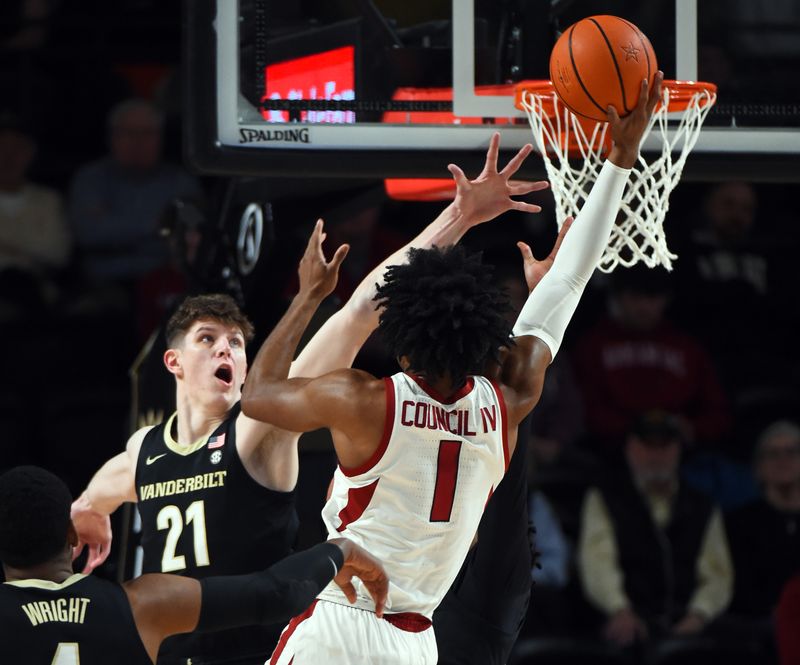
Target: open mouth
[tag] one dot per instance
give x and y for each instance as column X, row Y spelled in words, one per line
column 224, row 374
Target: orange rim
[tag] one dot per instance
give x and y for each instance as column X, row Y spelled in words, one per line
column 680, row 93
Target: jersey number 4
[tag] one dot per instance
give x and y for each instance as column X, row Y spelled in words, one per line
column 444, row 493
column 169, row 517
column 67, row 654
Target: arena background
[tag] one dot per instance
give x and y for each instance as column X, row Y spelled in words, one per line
column 82, row 351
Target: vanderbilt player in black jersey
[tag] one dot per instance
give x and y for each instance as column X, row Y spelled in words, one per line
column 214, row 485
column 50, row 616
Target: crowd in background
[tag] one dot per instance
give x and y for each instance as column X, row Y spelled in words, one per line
column 665, row 452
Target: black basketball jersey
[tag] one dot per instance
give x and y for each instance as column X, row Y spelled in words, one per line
column 202, row 514
column 81, row 621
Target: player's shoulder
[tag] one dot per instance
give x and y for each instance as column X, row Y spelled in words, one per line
column 355, row 379
column 135, row 440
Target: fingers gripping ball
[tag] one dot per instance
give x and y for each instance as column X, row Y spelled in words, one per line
column 601, row 61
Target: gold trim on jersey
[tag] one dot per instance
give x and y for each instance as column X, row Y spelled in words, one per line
column 176, row 447
column 47, row 584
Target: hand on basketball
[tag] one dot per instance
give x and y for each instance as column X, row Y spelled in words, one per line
column 489, row 195
column 360, row 563
column 535, row 269
column 318, row 277
column 93, row 530
column 627, row 132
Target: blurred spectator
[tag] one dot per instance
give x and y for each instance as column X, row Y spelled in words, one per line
column 116, row 202
column 34, row 239
column 553, row 560
column 549, row 609
column 765, row 534
column 652, row 555
column 636, row 360
column 181, row 228
column 726, row 288
column 557, row 420
column 25, row 24
column 787, row 619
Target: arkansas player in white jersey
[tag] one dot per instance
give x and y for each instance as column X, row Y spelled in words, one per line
column 436, row 455
column 418, row 453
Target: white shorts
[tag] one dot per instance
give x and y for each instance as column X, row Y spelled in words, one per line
column 332, row 633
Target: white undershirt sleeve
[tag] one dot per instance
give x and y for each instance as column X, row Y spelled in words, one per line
column 551, row 304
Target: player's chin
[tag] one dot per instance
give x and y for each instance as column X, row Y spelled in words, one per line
column 225, row 395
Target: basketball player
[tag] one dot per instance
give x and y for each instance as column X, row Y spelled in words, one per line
column 421, row 452
column 51, row 616
column 215, row 487
column 480, row 617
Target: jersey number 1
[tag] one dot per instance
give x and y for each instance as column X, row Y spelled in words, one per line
column 444, row 493
column 169, row 517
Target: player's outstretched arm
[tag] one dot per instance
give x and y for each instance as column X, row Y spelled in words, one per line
column 165, row 605
column 349, row 402
column 112, row 485
column 337, row 342
column 549, row 308
column 260, row 395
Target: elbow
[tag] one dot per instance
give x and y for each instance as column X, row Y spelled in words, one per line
column 250, row 401
column 360, row 314
column 249, row 406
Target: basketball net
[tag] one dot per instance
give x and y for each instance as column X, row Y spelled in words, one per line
column 557, row 133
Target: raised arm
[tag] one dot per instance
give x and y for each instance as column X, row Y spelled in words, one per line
column 345, row 401
column 270, row 454
column 112, row 485
column 544, row 317
column 165, row 605
column 337, row 342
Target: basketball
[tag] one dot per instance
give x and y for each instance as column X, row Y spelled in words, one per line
column 601, row 61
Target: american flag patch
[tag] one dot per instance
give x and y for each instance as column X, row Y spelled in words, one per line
column 216, row 441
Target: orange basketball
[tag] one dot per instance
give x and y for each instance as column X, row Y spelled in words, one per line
column 601, row 60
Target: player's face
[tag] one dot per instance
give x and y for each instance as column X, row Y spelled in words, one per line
column 212, row 361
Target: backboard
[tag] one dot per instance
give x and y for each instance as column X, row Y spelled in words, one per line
column 370, row 88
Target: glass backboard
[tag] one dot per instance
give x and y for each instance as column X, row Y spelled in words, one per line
column 365, row 88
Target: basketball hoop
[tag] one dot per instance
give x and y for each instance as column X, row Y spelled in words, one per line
column 558, row 134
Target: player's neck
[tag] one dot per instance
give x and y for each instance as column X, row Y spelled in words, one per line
column 56, row 571
column 443, row 385
column 196, row 421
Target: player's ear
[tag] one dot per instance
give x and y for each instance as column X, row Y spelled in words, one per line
column 172, row 361
column 72, row 535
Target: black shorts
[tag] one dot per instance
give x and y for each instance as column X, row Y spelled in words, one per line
column 480, row 617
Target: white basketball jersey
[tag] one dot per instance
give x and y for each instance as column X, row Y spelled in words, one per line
column 416, row 504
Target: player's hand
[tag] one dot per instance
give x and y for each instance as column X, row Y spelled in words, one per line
column 489, row 195
column 94, row 531
column 624, row 628
column 318, row 277
column 535, row 269
column 360, row 563
column 627, row 132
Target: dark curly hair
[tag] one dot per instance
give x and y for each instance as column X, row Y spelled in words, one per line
column 442, row 311
column 34, row 516
column 214, row 306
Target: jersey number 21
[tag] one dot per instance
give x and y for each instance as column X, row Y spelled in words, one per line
column 170, row 517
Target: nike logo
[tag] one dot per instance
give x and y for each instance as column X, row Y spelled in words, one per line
column 155, row 458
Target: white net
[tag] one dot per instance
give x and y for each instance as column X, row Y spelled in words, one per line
column 639, row 232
